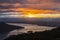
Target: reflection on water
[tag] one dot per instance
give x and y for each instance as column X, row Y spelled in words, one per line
column 29, row 27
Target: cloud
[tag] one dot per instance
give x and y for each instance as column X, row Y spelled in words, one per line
column 32, row 1
column 34, row 4
column 28, row 1
column 56, row 1
column 43, row 6
column 9, row 5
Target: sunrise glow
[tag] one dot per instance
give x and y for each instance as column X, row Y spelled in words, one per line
column 31, row 13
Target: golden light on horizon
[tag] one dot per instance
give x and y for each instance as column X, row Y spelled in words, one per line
column 30, row 15
column 34, row 13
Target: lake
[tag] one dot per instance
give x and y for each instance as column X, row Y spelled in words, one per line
column 28, row 27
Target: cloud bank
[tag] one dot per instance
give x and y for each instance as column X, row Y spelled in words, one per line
column 34, row 4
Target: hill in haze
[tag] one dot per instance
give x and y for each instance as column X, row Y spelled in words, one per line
column 53, row 34
column 5, row 28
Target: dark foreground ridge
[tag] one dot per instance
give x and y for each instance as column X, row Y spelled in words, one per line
column 53, row 34
column 6, row 28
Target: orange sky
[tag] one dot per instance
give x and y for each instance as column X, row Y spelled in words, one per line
column 45, row 8
column 35, row 11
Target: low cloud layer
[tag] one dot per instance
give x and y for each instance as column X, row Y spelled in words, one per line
column 34, row 4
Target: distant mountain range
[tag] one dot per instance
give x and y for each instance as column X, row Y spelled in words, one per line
column 54, row 22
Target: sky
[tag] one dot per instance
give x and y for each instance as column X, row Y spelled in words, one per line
column 31, row 6
column 8, row 5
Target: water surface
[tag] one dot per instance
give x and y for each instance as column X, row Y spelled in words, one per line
column 29, row 27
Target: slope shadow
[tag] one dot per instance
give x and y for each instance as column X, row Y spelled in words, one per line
column 6, row 28
column 53, row 34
